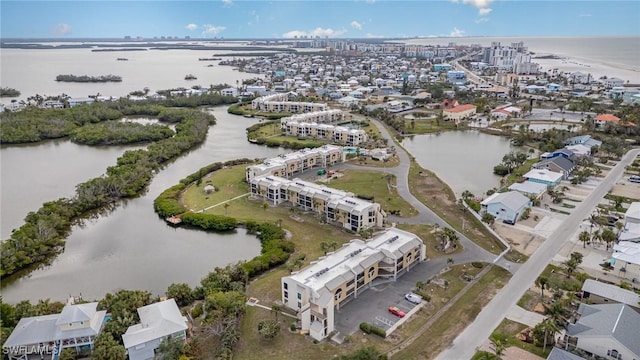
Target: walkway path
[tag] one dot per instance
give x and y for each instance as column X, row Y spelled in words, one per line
column 222, row 203
column 522, row 316
column 465, row 345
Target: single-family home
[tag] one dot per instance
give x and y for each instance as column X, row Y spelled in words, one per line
column 76, row 327
column 613, row 82
column 557, row 164
column 565, row 153
column 631, row 229
column 158, row 321
column 598, row 292
column 580, row 151
column 506, row 207
column 459, row 113
column 229, row 92
column 544, row 176
column 442, row 67
column 348, row 101
column 506, row 111
column 73, row 102
column 552, row 87
column 608, row 330
column 585, row 140
column 529, row 188
column 603, row 119
column 560, row 354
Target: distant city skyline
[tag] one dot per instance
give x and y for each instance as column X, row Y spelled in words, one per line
column 324, row 19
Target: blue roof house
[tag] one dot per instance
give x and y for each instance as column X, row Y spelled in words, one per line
column 552, row 87
column 506, row 207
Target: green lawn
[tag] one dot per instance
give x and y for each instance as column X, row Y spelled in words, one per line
column 376, row 184
column 426, row 126
column 506, row 332
column 229, row 182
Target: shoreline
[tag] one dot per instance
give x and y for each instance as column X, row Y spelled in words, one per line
column 587, row 66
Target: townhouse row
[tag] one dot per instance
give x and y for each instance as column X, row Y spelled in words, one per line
column 280, row 103
column 316, row 291
column 335, row 206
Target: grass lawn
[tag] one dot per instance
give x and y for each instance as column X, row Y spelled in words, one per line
column 393, row 161
column 442, row 332
column 506, row 332
column 425, row 233
column 229, row 182
column 426, row 126
column 376, row 184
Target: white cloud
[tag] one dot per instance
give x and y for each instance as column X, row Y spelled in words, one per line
column 209, row 29
column 484, row 11
column 191, row 27
column 328, row 32
column 356, row 25
column 481, row 20
column 227, row 3
column 483, row 6
column 456, row 32
column 61, row 30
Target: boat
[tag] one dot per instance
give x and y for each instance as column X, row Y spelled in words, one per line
column 190, row 77
column 122, row 59
column 209, row 59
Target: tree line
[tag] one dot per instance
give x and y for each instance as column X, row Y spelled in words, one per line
column 87, row 78
column 44, row 230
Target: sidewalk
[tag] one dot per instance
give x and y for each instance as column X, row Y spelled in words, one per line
column 522, row 316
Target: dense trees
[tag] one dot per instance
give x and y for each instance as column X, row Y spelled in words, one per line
column 87, row 78
column 44, row 230
column 115, row 132
column 9, row 92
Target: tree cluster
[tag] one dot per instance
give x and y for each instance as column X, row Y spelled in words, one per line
column 9, row 92
column 87, row 78
column 510, row 162
column 117, row 133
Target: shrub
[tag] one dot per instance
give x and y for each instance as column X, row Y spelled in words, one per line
column 372, row 329
column 197, row 311
column 210, row 221
column 477, row 264
column 365, row 197
column 292, row 327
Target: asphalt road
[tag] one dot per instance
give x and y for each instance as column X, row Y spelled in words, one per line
column 465, row 345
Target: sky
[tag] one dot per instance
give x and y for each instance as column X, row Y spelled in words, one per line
column 324, row 18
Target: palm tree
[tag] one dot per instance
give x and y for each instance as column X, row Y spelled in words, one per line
column 550, row 329
column 542, row 282
column 325, row 247
column 497, row 347
column 608, row 236
column 571, row 265
column 333, row 245
column 275, row 310
column 585, row 238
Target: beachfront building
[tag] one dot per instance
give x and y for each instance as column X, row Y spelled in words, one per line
column 76, row 327
column 333, row 116
column 332, row 205
column 158, row 321
column 603, row 119
column 279, row 103
column 316, row 291
column 287, row 165
column 337, row 134
column 506, row 207
column 459, row 113
column 609, row 331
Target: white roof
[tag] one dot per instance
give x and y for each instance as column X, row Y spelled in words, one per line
column 578, row 148
column 633, row 212
column 511, row 199
column 543, row 174
column 627, row 251
column 528, row 187
column 156, row 321
column 612, row 292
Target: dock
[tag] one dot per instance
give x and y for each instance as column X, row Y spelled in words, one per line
column 173, row 220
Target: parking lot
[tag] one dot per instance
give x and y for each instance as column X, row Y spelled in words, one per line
column 372, row 305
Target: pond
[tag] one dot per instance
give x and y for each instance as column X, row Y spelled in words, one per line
column 462, row 159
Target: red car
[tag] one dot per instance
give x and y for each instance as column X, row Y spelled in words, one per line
column 395, row 311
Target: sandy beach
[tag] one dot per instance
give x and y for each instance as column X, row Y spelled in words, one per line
column 597, row 70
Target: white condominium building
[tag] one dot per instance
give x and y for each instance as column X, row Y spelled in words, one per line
column 338, row 134
column 279, row 103
column 332, row 116
column 287, row 165
column 335, row 206
column 317, row 290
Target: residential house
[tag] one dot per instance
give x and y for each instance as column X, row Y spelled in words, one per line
column 441, row 67
column 603, row 119
column 529, row 189
column 506, row 207
column 557, row 164
column 565, row 153
column 233, row 92
column 585, row 140
column 559, row 354
column 73, row 102
column 544, row 176
column 348, row 101
column 506, row 111
column 316, row 291
column 631, row 230
column 158, row 321
column 334, row 206
column 552, row 87
column 580, row 151
column 627, row 252
column 459, row 113
column 600, row 293
column 76, row 327
column 609, row 331
column 449, row 103
column 612, row 82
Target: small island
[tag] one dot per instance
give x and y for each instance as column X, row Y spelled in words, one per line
column 9, row 92
column 87, row 78
column 190, row 77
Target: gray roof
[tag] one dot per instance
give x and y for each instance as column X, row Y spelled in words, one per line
column 612, row 292
column 617, row 321
column 562, row 162
column 528, row 187
column 157, row 320
column 559, row 354
column 511, row 199
column 77, row 313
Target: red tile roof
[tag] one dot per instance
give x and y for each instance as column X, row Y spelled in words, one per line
column 461, row 108
column 607, row 117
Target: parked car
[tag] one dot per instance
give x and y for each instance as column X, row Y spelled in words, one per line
column 395, row 311
column 635, row 178
column 413, row 298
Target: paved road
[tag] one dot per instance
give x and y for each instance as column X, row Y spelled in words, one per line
column 465, row 345
column 472, row 252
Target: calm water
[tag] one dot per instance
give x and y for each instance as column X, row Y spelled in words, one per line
column 132, row 247
column 34, row 71
column 462, row 159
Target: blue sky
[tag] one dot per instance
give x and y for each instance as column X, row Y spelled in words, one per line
column 333, row 19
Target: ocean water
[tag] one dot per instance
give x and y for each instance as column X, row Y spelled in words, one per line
column 619, row 52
